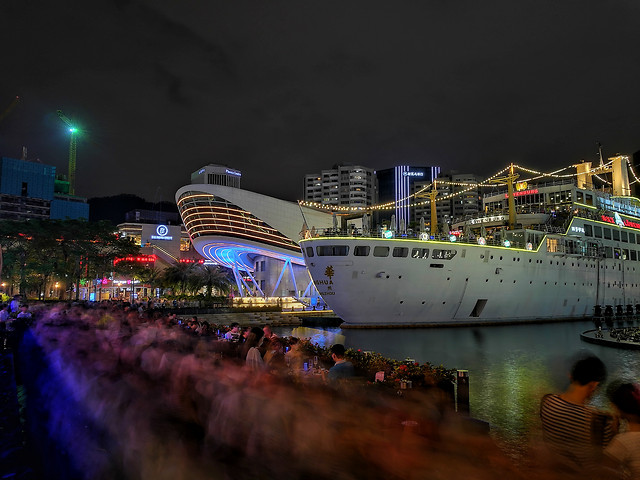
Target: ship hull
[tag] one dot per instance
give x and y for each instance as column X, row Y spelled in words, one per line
column 478, row 284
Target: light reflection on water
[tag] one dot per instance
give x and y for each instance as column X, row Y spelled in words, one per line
column 510, row 367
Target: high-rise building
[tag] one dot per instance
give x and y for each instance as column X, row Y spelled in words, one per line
column 214, row 174
column 399, row 185
column 457, row 198
column 343, row 185
column 27, row 190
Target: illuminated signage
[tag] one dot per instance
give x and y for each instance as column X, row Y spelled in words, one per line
column 162, row 231
column 521, row 193
column 200, row 171
column 520, row 186
column 577, row 229
column 413, row 174
column 495, row 218
column 136, row 258
column 233, row 172
column 619, row 221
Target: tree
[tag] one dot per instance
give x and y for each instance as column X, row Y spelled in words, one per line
column 212, row 276
column 70, row 250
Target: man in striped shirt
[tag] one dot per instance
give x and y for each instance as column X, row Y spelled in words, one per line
column 574, row 432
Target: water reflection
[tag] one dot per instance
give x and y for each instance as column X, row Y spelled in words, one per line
column 510, row 367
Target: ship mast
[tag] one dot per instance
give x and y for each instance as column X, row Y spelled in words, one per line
column 509, row 179
column 432, row 203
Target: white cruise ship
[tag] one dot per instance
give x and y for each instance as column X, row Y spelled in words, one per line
column 563, row 248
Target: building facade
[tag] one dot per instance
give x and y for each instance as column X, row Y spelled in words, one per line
column 399, row 185
column 27, row 190
column 254, row 235
column 343, row 185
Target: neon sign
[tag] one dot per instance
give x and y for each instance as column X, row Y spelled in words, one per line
column 621, row 222
column 136, row 258
column 522, row 193
column 413, row 174
column 233, row 172
column 162, row 231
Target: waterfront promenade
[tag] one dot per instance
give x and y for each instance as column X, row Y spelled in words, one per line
column 110, row 395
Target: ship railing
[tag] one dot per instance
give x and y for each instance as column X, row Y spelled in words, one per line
column 416, row 235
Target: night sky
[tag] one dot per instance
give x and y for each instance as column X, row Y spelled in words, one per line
column 278, row 89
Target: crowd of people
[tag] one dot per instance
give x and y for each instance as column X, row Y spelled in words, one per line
column 155, row 396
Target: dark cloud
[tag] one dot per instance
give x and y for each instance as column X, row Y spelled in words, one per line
column 283, row 88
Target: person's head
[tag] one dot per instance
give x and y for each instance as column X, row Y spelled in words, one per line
column 24, row 308
column 267, row 331
column 255, row 334
column 235, row 326
column 587, row 370
column 337, row 352
column 587, row 374
column 626, row 398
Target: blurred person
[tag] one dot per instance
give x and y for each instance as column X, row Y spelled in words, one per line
column 342, row 368
column 574, row 432
column 24, row 312
column 250, row 352
column 623, row 453
column 233, row 335
column 268, row 333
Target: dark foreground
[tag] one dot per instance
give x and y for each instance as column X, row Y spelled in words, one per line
column 113, row 396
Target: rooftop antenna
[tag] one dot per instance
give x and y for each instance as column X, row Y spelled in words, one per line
column 600, row 153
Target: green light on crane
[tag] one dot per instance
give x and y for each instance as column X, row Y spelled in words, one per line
column 72, row 151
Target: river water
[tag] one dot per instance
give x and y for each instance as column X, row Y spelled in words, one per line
column 510, row 367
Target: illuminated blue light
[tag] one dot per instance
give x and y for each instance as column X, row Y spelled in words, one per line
column 506, row 243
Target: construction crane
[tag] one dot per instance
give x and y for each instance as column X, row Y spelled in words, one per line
column 11, row 106
column 73, row 130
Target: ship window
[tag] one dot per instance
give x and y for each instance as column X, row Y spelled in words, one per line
column 309, row 251
column 608, row 252
column 607, row 233
column 400, row 251
column 616, row 253
column 420, row 253
column 624, row 237
column 588, row 230
column 616, row 235
column 380, row 251
column 332, row 250
column 634, row 257
column 361, row 250
column 443, row 254
column 632, row 238
column 625, row 254
column 597, row 232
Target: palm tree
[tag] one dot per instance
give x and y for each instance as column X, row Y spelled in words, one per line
column 178, row 277
column 213, row 277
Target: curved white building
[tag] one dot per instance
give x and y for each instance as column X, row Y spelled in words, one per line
column 253, row 234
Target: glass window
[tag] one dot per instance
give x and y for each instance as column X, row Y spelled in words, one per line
column 588, row 230
column 420, row 253
column 632, row 238
column 617, row 254
column 616, row 235
column 634, row 257
column 607, row 233
column 332, row 250
column 625, row 254
column 624, row 237
column 400, row 251
column 608, row 252
column 361, row 250
column 380, row 251
column 443, row 254
column 309, row 251
column 597, row 232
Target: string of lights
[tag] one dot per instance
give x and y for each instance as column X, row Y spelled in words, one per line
column 489, row 182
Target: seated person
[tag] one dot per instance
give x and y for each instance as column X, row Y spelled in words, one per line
column 233, row 335
column 342, row 368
